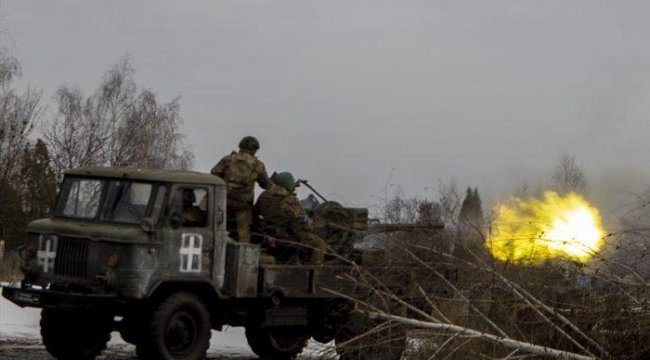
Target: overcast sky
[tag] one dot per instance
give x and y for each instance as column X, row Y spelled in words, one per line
column 357, row 94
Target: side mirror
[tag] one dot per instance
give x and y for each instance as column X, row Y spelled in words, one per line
column 175, row 220
column 147, row 224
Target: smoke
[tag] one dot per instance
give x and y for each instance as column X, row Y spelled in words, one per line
column 623, row 195
column 615, row 192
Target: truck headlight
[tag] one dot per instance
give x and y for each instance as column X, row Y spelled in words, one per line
column 112, row 261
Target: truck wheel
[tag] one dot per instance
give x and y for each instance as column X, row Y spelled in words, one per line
column 69, row 335
column 276, row 343
column 179, row 329
column 352, row 344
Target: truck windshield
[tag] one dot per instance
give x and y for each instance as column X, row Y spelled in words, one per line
column 104, row 199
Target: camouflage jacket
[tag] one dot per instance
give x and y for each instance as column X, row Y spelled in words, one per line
column 281, row 212
column 240, row 170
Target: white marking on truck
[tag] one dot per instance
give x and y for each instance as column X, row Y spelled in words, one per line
column 190, row 251
column 46, row 253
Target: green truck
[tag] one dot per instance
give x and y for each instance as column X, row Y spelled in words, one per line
column 119, row 253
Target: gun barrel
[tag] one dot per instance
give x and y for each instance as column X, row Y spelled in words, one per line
column 383, row 228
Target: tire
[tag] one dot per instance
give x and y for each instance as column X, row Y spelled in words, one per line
column 276, row 343
column 74, row 335
column 352, row 344
column 178, row 329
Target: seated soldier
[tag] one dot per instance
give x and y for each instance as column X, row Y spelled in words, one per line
column 192, row 215
column 285, row 218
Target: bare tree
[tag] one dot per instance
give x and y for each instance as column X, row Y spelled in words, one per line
column 450, row 200
column 18, row 115
column 117, row 126
column 400, row 209
column 77, row 137
column 569, row 176
column 149, row 137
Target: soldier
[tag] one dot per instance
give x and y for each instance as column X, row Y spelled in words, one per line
column 241, row 170
column 285, row 218
column 192, row 215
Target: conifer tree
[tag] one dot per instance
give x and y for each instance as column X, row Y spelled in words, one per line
column 39, row 181
column 12, row 217
column 471, row 209
column 466, row 206
column 478, row 207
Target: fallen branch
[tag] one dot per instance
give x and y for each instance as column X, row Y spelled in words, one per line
column 507, row 342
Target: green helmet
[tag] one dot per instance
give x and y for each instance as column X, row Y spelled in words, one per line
column 285, row 180
column 249, row 143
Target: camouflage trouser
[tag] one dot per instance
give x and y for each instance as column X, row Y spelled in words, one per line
column 240, row 221
column 315, row 243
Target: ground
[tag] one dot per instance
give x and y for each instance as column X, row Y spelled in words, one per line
column 20, row 340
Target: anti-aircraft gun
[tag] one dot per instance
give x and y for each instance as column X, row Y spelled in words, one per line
column 118, row 253
column 347, row 229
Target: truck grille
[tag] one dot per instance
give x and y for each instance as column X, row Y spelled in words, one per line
column 71, row 258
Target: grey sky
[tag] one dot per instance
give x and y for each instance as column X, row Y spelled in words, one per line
column 342, row 92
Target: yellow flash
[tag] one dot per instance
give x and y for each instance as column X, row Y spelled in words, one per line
column 533, row 230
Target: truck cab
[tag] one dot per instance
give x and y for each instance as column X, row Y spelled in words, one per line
column 124, row 232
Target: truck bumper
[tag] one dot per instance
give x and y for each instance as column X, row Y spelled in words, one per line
column 41, row 298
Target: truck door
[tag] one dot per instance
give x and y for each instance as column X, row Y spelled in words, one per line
column 190, row 235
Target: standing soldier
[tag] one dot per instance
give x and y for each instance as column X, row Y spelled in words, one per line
column 285, row 218
column 240, row 170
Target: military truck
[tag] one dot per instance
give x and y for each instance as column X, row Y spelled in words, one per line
column 147, row 253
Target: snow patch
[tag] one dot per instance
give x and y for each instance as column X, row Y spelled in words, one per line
column 17, row 322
